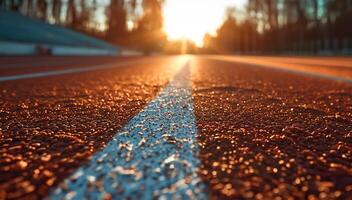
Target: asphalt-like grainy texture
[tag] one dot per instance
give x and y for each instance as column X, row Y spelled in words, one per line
column 262, row 133
column 266, row 134
column 154, row 156
column 50, row 126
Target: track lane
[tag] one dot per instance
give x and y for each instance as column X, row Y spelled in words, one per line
column 339, row 70
column 63, row 63
column 263, row 133
column 267, row 134
column 51, row 125
column 153, row 157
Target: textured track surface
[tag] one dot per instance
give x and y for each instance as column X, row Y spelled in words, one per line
column 267, row 134
column 49, row 126
column 152, row 157
column 263, row 132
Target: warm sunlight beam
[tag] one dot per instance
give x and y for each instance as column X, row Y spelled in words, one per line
column 192, row 19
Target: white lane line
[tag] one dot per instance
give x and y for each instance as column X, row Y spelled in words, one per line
column 153, row 157
column 299, row 72
column 30, row 64
column 47, row 63
column 70, row 71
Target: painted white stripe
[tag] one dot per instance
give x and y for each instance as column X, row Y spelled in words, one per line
column 70, row 71
column 276, row 68
column 31, row 64
column 153, row 156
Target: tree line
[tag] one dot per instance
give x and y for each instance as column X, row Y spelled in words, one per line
column 132, row 23
column 266, row 26
column 286, row 26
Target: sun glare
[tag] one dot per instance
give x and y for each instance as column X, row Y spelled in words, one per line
column 192, row 19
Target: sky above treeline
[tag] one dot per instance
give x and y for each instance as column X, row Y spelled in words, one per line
column 192, row 19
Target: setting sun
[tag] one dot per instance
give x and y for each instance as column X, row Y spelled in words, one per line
column 192, row 19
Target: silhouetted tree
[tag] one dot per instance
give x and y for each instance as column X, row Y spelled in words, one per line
column 71, row 14
column 149, row 26
column 228, row 35
column 42, row 9
column 116, row 20
column 56, row 11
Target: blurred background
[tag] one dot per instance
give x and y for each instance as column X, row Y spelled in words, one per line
column 288, row 27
